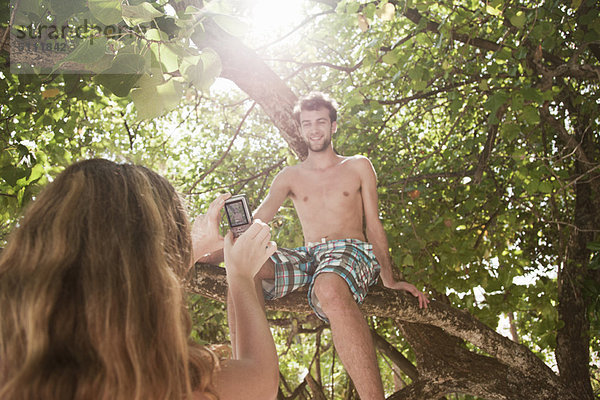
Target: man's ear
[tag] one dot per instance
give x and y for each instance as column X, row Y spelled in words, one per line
column 333, row 127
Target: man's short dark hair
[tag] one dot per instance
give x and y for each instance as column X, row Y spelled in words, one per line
column 315, row 101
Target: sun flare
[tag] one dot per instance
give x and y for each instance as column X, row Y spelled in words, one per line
column 268, row 18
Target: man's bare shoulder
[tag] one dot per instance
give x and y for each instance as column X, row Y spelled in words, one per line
column 358, row 161
column 285, row 179
column 288, row 172
column 358, row 158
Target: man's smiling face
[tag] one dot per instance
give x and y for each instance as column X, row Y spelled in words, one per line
column 317, row 128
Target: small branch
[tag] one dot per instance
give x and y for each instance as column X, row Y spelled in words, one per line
column 300, row 25
column 245, row 180
column 220, row 160
column 489, row 145
column 424, row 95
column 425, row 177
column 316, row 389
column 301, row 388
column 569, row 140
column 485, row 227
column 304, row 66
column 395, row 356
column 5, row 35
column 129, row 133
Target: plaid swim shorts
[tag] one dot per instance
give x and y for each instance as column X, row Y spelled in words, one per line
column 351, row 259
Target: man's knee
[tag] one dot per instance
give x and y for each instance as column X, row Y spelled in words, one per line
column 332, row 291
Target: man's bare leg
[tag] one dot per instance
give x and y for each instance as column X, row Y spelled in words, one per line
column 351, row 335
column 267, row 272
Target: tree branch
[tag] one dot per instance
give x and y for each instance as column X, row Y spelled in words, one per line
column 446, row 367
column 242, row 66
column 397, row 358
column 489, row 145
column 568, row 140
column 220, row 160
column 209, row 281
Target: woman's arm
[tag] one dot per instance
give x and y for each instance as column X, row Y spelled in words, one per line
column 255, row 372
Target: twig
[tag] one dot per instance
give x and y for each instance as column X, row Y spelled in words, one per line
column 245, row 180
column 12, row 19
column 305, row 21
column 220, row 160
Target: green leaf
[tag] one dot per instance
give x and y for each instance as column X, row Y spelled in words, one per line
column 138, row 14
column 532, row 94
column 154, row 100
column 63, row 8
column 532, row 187
column 531, row 115
column 518, row 19
column 36, row 173
column 89, row 51
column 491, row 10
column 12, row 175
column 26, row 12
column 391, row 57
column 495, row 101
column 352, row 7
column 106, row 11
column 123, row 74
column 163, row 50
column 511, row 131
column 211, row 68
column 594, row 246
column 232, row 25
column 545, row 187
column 504, row 54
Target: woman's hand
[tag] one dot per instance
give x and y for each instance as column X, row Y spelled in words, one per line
column 245, row 256
column 205, row 229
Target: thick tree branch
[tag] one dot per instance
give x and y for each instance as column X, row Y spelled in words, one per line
column 446, row 367
column 397, row 358
column 242, row 66
column 209, row 281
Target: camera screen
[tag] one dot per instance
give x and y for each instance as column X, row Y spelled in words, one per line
column 236, row 214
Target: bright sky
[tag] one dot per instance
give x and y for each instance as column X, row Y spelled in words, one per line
column 267, row 18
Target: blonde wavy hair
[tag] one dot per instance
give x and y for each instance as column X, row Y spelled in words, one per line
column 91, row 299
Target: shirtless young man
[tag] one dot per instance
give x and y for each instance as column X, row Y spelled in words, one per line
column 333, row 195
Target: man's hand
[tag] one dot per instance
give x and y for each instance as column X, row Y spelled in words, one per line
column 409, row 287
column 246, row 256
column 205, row 229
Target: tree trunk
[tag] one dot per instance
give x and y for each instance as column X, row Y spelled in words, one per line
column 572, row 347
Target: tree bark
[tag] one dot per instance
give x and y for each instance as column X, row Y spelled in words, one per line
column 446, row 366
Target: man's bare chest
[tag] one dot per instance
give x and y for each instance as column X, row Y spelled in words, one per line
column 319, row 188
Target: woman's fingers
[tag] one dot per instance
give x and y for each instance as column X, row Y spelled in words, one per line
column 270, row 248
column 249, row 252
